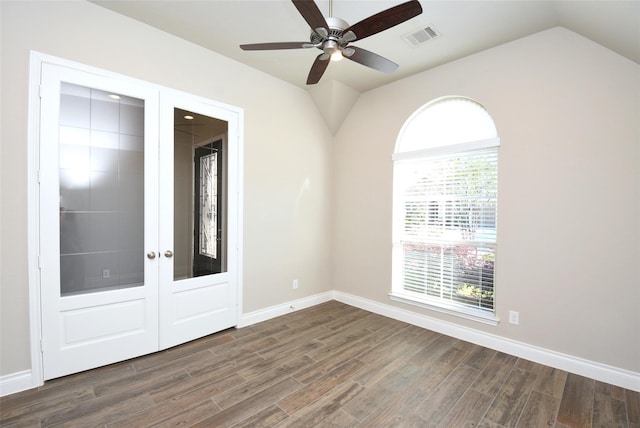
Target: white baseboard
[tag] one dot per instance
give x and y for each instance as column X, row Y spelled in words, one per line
column 23, row 380
column 602, row 372
column 16, row 382
column 284, row 308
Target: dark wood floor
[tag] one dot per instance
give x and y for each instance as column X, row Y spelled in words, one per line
column 329, row 366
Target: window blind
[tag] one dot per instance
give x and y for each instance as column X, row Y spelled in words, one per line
column 449, row 223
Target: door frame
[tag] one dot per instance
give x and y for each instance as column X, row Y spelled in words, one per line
column 36, row 59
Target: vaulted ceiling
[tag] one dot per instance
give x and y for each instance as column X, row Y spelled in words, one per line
column 462, row 28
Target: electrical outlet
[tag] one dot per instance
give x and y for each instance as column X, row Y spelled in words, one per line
column 295, row 284
column 106, row 273
column 514, row 317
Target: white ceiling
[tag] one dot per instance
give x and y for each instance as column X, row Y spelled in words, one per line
column 465, row 27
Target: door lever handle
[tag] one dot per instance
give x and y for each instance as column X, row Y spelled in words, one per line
column 168, row 254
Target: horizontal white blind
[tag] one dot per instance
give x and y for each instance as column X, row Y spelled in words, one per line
column 449, row 222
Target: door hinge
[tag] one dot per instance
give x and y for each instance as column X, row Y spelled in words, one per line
column 39, row 262
column 41, row 346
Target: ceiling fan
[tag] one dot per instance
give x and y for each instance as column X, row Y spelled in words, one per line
column 333, row 36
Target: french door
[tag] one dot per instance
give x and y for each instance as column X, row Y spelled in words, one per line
column 199, row 205
column 119, row 211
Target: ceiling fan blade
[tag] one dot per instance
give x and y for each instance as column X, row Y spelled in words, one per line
column 382, row 21
column 317, row 69
column 310, row 12
column 370, row 59
column 275, row 45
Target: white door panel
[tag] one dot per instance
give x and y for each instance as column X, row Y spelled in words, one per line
column 86, row 325
column 87, row 341
column 201, row 311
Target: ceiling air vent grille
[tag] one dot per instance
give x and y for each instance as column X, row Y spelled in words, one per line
column 419, row 37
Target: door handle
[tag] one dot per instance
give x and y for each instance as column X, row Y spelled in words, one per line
column 151, row 255
column 168, row 254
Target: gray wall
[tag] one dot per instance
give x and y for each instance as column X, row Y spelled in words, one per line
column 567, row 114
column 287, row 156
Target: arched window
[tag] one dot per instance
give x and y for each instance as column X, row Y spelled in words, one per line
column 445, row 200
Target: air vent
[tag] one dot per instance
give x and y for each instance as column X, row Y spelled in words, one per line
column 419, row 37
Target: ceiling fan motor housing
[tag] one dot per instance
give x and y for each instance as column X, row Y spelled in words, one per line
column 336, row 27
column 333, row 41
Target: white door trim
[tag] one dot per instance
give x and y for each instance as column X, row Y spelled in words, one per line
column 33, row 221
column 33, row 196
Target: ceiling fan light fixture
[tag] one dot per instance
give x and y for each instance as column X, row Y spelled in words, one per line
column 331, row 48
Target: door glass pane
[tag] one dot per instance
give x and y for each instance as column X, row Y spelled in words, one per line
column 199, row 195
column 101, row 170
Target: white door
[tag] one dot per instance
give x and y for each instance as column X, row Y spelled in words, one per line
column 199, row 153
column 98, row 220
column 109, row 290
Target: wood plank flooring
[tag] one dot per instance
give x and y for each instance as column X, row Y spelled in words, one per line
column 331, row 365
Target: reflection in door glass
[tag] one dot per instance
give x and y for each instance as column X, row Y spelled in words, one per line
column 199, row 195
column 208, row 204
column 101, row 171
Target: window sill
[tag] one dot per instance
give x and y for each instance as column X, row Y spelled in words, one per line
column 466, row 313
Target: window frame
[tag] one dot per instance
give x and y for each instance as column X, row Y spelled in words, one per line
column 398, row 291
